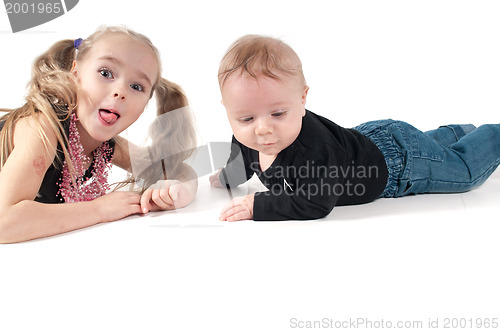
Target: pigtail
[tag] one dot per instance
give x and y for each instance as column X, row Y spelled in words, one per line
column 52, row 80
column 169, row 96
column 179, row 130
column 51, row 92
column 172, row 136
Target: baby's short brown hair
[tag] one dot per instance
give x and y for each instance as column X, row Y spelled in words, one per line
column 260, row 55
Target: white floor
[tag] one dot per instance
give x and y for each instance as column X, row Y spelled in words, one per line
column 415, row 260
column 424, row 258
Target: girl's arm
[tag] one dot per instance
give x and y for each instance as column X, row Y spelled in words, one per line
column 29, row 220
column 21, row 218
column 165, row 194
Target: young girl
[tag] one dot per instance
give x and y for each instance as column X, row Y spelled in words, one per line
column 59, row 146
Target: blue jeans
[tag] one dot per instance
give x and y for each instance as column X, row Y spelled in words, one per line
column 453, row 158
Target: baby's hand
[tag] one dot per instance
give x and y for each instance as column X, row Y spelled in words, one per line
column 167, row 195
column 214, row 179
column 240, row 208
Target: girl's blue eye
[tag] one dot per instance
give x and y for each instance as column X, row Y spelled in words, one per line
column 137, row 87
column 106, row 73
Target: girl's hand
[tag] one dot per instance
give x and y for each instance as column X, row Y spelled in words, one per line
column 214, row 179
column 168, row 195
column 240, row 208
column 117, row 205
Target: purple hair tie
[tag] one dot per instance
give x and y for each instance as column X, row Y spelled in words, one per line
column 77, row 43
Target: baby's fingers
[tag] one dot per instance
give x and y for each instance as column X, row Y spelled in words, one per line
column 242, row 215
column 229, row 212
column 214, row 179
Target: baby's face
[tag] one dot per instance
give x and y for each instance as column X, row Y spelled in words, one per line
column 265, row 113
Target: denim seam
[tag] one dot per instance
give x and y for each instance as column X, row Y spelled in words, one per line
column 405, row 173
column 454, row 130
column 394, row 159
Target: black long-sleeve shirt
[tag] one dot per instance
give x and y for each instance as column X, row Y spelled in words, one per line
column 326, row 165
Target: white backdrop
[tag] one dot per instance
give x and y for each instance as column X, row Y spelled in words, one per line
column 426, row 62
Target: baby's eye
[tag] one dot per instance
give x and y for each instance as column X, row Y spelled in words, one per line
column 246, row 119
column 278, row 114
column 137, row 87
column 106, row 73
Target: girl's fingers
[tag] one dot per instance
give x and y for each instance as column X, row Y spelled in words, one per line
column 161, row 204
column 134, row 203
column 157, row 197
column 144, row 201
column 173, row 192
column 135, row 209
column 161, row 197
column 134, row 198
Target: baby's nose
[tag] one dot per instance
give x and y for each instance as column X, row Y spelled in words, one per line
column 263, row 128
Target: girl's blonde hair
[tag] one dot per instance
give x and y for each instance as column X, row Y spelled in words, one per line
column 52, row 93
column 260, row 55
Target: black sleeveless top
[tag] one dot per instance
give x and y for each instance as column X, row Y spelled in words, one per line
column 49, row 189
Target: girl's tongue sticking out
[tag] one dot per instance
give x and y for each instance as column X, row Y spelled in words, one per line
column 108, row 116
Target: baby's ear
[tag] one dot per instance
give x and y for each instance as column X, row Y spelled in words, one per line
column 304, row 95
column 304, row 99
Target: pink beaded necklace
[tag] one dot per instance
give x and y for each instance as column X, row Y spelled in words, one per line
column 97, row 184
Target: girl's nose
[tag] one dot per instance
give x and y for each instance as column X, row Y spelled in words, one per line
column 119, row 93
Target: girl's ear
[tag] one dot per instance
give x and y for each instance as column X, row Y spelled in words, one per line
column 74, row 67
